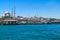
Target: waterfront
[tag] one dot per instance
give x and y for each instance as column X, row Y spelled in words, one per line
column 30, row 32
column 11, row 19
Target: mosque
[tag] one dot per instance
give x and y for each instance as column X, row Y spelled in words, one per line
column 8, row 15
column 9, row 18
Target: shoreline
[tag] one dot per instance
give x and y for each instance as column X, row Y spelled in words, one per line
column 30, row 24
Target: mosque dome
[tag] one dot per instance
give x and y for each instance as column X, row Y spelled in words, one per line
column 7, row 13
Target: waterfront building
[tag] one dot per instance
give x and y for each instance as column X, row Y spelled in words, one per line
column 20, row 17
column 10, row 22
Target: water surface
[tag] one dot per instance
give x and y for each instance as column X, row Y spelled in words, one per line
column 30, row 32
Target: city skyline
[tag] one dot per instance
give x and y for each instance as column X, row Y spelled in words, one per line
column 30, row 8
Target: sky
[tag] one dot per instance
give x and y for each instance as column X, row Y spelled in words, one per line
column 30, row 8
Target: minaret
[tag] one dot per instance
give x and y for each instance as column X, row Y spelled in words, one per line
column 14, row 12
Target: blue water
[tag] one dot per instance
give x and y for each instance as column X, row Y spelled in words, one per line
column 30, row 32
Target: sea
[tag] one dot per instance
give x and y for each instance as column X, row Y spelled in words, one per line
column 30, row 32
